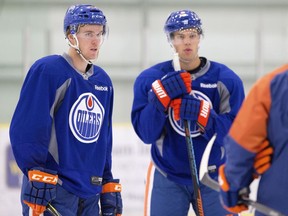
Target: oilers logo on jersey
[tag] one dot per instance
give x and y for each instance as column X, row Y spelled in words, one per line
column 178, row 126
column 86, row 117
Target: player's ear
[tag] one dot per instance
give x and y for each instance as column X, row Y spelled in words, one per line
column 71, row 39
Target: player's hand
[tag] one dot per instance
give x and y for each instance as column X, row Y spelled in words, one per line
column 40, row 189
column 263, row 158
column 110, row 198
column 231, row 200
column 172, row 85
column 177, row 83
column 192, row 109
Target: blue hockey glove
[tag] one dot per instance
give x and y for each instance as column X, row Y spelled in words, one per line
column 110, row 199
column 172, row 85
column 40, row 189
column 263, row 158
column 231, row 200
column 177, row 83
column 194, row 110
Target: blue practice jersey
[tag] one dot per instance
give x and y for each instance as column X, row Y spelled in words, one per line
column 215, row 83
column 62, row 122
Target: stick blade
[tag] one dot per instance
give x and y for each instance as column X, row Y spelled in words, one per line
column 205, row 158
column 209, row 182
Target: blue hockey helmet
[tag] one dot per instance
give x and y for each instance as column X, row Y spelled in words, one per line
column 83, row 14
column 180, row 20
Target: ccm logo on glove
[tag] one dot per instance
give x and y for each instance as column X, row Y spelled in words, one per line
column 35, row 175
column 111, row 187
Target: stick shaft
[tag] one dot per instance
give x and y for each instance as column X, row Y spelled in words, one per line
column 52, row 210
column 193, row 169
column 190, row 149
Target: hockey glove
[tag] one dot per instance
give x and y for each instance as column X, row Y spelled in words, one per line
column 231, row 200
column 263, row 158
column 172, row 85
column 40, row 189
column 192, row 109
column 110, row 199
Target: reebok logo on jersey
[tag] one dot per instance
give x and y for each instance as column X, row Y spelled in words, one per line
column 86, row 118
column 208, row 85
column 101, row 88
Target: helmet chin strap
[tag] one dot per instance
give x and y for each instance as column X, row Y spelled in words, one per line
column 76, row 47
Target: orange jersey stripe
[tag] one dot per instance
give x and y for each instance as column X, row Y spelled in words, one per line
column 250, row 125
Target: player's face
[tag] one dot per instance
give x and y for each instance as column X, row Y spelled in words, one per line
column 186, row 43
column 90, row 38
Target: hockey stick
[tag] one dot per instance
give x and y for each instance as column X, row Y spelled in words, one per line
column 190, row 149
column 208, row 181
column 52, row 210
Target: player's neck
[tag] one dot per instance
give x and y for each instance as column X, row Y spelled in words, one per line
column 190, row 65
column 78, row 62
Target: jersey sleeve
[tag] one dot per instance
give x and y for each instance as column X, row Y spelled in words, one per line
column 226, row 104
column 107, row 174
column 30, row 128
column 147, row 120
column 248, row 132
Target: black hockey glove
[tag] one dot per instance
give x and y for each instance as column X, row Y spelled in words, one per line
column 110, row 198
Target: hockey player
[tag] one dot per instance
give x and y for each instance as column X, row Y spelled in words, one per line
column 216, row 91
column 61, row 131
column 257, row 142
